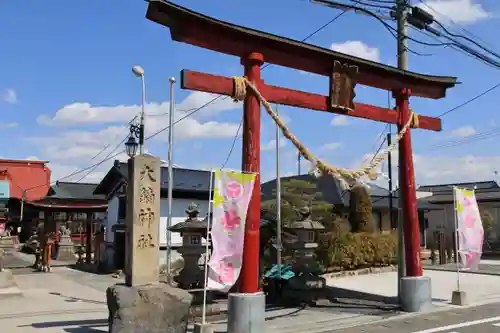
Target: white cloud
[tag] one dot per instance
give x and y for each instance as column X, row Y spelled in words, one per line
column 358, row 49
column 8, row 125
column 271, row 145
column 330, row 146
column 339, row 121
column 83, row 143
column 460, row 11
column 10, row 96
column 463, row 132
column 68, row 149
column 442, row 169
column 83, row 113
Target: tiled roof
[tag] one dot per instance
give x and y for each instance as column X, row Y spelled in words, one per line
column 184, row 179
column 487, row 185
column 332, row 192
column 68, row 190
column 485, row 191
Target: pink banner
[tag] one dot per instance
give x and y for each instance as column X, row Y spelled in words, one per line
column 470, row 229
column 232, row 193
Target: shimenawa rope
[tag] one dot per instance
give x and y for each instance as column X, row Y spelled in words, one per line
column 342, row 174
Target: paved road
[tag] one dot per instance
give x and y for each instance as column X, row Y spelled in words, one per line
column 479, row 319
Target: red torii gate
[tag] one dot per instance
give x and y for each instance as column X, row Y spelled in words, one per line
column 256, row 47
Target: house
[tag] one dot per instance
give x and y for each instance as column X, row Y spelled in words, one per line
column 189, row 186
column 20, row 181
column 442, row 217
column 332, row 193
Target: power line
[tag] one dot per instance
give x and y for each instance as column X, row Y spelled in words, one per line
column 109, row 154
column 454, row 43
column 469, row 101
column 232, row 145
column 468, row 139
column 76, row 172
column 454, row 23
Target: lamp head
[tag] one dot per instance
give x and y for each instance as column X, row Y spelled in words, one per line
column 138, row 70
column 131, row 146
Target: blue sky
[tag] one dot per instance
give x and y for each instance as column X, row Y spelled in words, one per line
column 68, row 91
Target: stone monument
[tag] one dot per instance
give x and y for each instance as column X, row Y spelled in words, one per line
column 143, row 304
column 8, row 287
column 66, row 246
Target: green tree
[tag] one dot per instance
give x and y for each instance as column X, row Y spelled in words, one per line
column 360, row 206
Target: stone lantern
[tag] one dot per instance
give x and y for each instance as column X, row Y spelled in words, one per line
column 305, row 266
column 192, row 230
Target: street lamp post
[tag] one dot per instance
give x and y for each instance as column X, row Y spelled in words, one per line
column 170, row 176
column 139, row 72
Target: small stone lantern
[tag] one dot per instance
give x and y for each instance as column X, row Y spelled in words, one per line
column 305, row 266
column 192, row 230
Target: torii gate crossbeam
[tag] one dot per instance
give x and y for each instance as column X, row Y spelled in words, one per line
column 254, row 48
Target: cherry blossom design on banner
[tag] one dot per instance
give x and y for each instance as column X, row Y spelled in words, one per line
column 232, row 193
column 231, row 220
column 226, row 275
column 469, row 227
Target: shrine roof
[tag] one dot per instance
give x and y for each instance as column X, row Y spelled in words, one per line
column 69, row 190
column 197, row 29
column 68, row 195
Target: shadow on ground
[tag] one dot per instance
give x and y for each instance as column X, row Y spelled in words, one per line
column 72, row 299
column 81, row 326
column 90, row 268
column 335, row 299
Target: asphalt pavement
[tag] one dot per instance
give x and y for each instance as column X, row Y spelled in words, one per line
column 478, row 319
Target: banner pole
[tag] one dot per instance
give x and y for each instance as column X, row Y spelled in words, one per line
column 209, row 211
column 456, row 236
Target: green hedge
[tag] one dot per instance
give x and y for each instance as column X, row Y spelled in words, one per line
column 347, row 250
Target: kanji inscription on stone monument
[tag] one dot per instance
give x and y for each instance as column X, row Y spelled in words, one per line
column 143, row 220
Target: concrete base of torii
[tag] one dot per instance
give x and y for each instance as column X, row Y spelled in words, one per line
column 416, row 293
column 246, row 313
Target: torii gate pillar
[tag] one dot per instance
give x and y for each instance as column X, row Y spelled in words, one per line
column 246, row 309
column 415, row 289
column 249, row 278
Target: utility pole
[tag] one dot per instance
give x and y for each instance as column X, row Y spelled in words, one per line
column 402, row 26
column 298, row 163
column 170, row 178
column 389, row 175
column 278, row 201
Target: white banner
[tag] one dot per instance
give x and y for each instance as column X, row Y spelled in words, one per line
column 469, row 227
column 232, row 193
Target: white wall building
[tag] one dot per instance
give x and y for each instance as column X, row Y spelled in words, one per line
column 190, row 186
column 179, row 206
column 443, row 217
